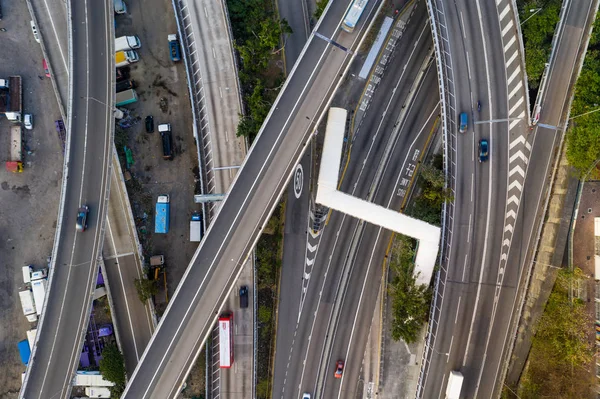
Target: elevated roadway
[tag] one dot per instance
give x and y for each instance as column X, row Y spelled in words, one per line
column 240, row 219
column 497, row 204
column 75, row 262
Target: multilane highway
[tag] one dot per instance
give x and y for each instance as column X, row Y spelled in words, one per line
column 305, row 312
column 497, row 203
column 75, row 264
column 255, row 191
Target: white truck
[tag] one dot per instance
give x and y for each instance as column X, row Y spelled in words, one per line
column 31, row 337
column 455, row 381
column 196, row 228
column 27, row 270
column 27, row 303
column 39, row 294
column 127, row 43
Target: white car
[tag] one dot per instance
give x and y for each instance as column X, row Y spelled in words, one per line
column 306, row 396
column 28, row 121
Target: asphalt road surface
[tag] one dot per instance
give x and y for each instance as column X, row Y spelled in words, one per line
column 73, row 276
column 299, row 365
column 237, row 226
column 495, row 218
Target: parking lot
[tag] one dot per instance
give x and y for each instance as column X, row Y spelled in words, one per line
column 163, row 93
column 29, row 199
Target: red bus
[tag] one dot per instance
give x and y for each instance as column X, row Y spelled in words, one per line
column 226, row 340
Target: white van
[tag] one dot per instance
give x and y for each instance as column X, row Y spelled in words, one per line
column 127, row 43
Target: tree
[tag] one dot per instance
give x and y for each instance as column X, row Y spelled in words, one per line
column 560, row 361
column 145, row 288
column 112, row 368
column 410, row 302
column 321, row 5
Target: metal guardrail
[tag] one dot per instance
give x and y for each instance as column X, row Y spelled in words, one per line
column 441, row 42
column 194, row 101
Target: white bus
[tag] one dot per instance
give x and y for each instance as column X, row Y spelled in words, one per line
column 353, row 15
column 226, row 340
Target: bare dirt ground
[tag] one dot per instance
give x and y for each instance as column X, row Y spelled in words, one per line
column 162, row 89
column 29, row 199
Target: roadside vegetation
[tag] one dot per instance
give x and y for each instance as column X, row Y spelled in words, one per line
column 145, row 288
column 431, row 195
column 560, row 362
column 410, row 302
column 583, row 136
column 112, row 368
column 268, row 266
column 538, row 19
column 257, row 33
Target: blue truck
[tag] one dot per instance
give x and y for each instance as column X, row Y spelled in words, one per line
column 24, row 351
column 174, row 50
column 161, row 221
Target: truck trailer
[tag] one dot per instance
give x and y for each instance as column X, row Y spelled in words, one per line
column 24, row 351
column 15, row 162
column 126, row 97
column 28, row 305
column 11, row 95
column 161, row 221
column 127, row 43
column 196, row 228
column 123, row 58
column 39, row 294
column 167, row 140
column 455, row 381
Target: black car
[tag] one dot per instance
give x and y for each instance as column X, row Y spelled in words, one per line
column 244, row 296
column 82, row 214
column 149, row 124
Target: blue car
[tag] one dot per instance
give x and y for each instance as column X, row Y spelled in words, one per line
column 82, row 214
column 484, row 150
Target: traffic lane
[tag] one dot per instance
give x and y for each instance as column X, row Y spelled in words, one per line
column 131, row 316
column 296, row 13
column 376, row 128
column 277, row 153
column 356, row 314
column 359, row 306
column 292, row 273
column 235, row 382
column 579, row 11
column 79, row 277
column 321, row 294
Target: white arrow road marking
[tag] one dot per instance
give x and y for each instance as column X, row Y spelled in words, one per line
column 512, row 214
column 515, row 170
column 309, row 262
column 516, row 184
column 311, row 248
column 508, row 227
column 516, row 155
column 506, row 242
column 514, row 199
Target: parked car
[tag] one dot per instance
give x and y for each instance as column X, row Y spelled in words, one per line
column 105, row 330
column 28, row 121
column 34, row 30
column 483, row 150
column 244, row 296
column 82, row 214
column 46, row 70
column 149, row 124
column 339, row 369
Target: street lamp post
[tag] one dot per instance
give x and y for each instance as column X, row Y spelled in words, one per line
column 534, row 11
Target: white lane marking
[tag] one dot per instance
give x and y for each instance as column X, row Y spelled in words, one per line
column 470, row 226
column 250, row 191
column 457, row 310
column 508, row 26
column 490, row 179
column 510, row 43
column 58, row 41
column 112, row 240
column 464, row 267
